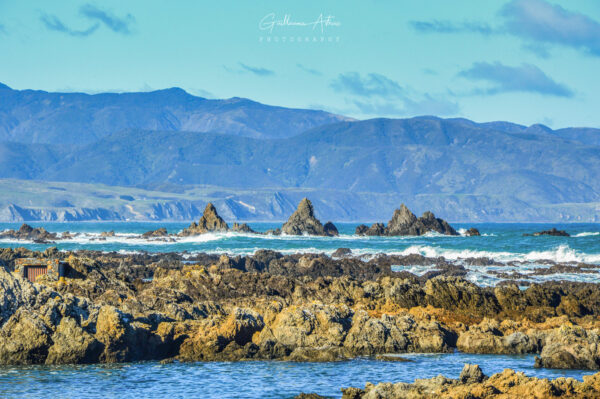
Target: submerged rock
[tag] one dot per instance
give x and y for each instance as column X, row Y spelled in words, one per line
column 303, row 221
column 209, row 222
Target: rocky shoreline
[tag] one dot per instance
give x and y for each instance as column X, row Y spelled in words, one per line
column 472, row 383
column 121, row 308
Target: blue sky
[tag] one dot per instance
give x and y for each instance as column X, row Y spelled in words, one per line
column 526, row 61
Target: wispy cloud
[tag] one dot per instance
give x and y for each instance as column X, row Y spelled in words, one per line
column 116, row 24
column 53, row 23
column 540, row 21
column 244, row 68
column 536, row 22
column 373, row 84
column 97, row 18
column 438, row 26
column 378, row 95
column 523, row 78
column 309, row 70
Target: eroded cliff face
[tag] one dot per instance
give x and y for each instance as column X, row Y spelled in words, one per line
column 117, row 308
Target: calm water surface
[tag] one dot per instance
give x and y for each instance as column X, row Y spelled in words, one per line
column 245, row 379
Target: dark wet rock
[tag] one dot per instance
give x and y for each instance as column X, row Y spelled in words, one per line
column 404, row 222
column 341, row 252
column 330, row 230
column 376, row 229
column 26, row 232
column 160, row 232
column 309, row 396
column 552, row 232
column 303, row 221
column 393, row 358
column 273, row 232
column 472, row 232
column 209, row 222
column 361, row 230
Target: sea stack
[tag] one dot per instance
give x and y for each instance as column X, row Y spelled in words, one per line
column 405, row 223
column 303, row 221
column 209, row 222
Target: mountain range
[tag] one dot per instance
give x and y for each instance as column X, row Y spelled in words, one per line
column 168, row 152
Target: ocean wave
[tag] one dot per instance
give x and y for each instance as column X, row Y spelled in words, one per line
column 588, row 234
column 562, row 253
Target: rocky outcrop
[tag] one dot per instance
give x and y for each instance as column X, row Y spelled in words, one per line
column 472, row 232
column 473, row 384
column 303, row 221
column 570, row 347
column 26, row 232
column 552, row 232
column 404, row 222
column 242, row 228
column 341, row 252
column 160, row 232
column 209, row 222
column 302, row 307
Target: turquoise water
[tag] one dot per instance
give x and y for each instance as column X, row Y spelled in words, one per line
column 502, row 242
column 245, row 379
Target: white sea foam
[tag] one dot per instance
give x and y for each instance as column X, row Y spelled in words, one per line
column 588, row 234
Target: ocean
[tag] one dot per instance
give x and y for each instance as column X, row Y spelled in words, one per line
column 276, row 379
column 503, row 242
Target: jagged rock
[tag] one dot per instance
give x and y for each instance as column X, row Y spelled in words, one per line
column 570, row 348
column 471, row 374
column 552, row 232
column 361, row 229
column 303, row 221
column 377, row 229
column 26, row 232
column 24, row 339
column 341, row 252
column 73, row 345
column 507, row 384
column 404, row 222
column 273, row 232
column 209, row 222
column 105, row 234
column 160, row 232
column 242, row 228
column 472, row 232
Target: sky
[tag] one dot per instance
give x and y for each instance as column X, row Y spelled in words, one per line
column 524, row 61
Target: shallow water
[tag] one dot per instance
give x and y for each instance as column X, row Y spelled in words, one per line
column 255, row 379
column 502, row 242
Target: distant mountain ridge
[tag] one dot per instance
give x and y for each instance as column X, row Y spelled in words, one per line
column 461, row 169
column 34, row 116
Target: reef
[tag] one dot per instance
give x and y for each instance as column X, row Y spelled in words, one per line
column 303, row 307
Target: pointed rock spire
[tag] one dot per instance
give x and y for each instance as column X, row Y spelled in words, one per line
column 303, row 221
column 209, row 222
